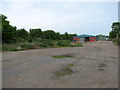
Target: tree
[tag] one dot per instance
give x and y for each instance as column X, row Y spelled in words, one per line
column 36, row 33
column 8, row 31
column 58, row 36
column 112, row 34
column 66, row 36
column 115, row 30
column 50, row 34
column 10, row 34
column 22, row 34
column 100, row 37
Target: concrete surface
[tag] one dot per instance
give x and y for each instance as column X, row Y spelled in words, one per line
column 35, row 68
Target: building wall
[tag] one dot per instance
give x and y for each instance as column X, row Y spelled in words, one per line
column 82, row 39
column 76, row 38
column 92, row 39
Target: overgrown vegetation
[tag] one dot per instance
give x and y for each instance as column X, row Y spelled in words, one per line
column 71, row 65
column 116, row 41
column 101, row 37
column 64, row 71
column 14, row 39
column 42, row 43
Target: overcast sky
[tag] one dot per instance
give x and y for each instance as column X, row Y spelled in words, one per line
column 72, row 17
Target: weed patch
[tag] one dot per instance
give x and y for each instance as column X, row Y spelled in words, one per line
column 63, row 56
column 39, row 43
column 71, row 65
column 64, row 71
column 116, row 41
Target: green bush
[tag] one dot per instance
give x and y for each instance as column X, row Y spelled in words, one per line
column 20, row 40
column 48, row 42
column 25, row 46
column 79, row 45
column 15, row 47
column 38, row 43
column 9, row 47
column 63, row 43
column 72, row 45
column 42, row 45
column 45, row 43
column 116, row 41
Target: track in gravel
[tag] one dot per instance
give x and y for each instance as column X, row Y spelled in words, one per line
column 35, row 68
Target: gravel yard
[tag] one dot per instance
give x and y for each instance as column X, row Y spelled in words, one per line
column 36, row 68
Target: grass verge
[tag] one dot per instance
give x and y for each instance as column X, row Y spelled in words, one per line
column 38, row 44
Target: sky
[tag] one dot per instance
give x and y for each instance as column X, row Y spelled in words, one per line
column 73, row 17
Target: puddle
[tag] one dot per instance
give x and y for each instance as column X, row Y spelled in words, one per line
column 102, row 66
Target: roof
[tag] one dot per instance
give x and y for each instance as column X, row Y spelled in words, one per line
column 85, row 35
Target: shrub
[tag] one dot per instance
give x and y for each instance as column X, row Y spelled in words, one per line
column 49, row 42
column 116, row 41
column 25, row 46
column 9, row 47
column 45, row 43
column 42, row 45
column 63, row 43
column 20, row 40
column 76, row 45
column 79, row 45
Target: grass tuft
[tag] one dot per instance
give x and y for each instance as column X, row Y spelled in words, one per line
column 71, row 65
column 63, row 72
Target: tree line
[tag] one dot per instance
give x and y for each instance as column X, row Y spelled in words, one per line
column 10, row 34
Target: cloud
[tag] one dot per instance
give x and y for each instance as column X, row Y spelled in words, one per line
column 72, row 17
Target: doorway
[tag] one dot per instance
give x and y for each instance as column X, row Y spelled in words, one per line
column 86, row 39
